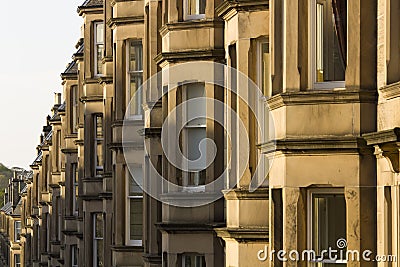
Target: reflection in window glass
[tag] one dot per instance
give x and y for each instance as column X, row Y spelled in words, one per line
column 328, row 222
column 331, row 40
column 135, row 76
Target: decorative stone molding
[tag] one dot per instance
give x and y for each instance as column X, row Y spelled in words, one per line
column 388, row 143
column 184, row 56
column 229, row 8
column 390, row 91
column 314, row 97
column 311, row 144
column 244, row 234
column 191, row 24
column 114, row 22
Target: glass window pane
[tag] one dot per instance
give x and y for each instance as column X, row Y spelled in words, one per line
column 331, row 35
column 196, row 7
column 136, row 56
column 329, row 221
column 99, row 33
column 100, row 50
column 196, row 148
column 100, row 256
column 196, row 110
column 98, row 231
column 265, row 69
column 136, row 218
column 134, row 183
column 135, row 77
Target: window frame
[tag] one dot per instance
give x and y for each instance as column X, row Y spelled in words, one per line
column 195, row 255
column 310, row 219
column 260, row 43
column 129, row 241
column 75, row 187
column 312, row 26
column 186, row 176
column 138, row 114
column 188, row 17
column 17, row 233
column 74, row 95
column 96, row 45
column 17, row 256
column 74, row 254
column 96, row 239
column 98, row 169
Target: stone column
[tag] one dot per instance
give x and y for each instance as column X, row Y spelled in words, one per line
column 361, row 50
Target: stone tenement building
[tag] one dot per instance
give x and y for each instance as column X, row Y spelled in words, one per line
column 328, row 169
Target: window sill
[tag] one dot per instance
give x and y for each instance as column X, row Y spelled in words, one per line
column 194, row 17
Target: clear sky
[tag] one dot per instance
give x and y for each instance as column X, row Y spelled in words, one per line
column 37, row 41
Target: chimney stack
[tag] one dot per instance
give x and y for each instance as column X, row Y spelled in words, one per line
column 57, row 99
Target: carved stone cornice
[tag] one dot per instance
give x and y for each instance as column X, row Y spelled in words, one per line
column 312, row 97
column 388, row 142
column 229, row 8
column 190, row 55
column 390, row 91
column 316, row 145
column 244, row 234
column 191, row 24
column 115, row 22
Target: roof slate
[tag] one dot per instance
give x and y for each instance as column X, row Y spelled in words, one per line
column 72, row 68
column 90, row 3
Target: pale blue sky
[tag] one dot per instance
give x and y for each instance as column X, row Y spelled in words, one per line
column 37, row 41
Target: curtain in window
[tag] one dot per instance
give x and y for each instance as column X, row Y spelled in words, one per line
column 340, row 14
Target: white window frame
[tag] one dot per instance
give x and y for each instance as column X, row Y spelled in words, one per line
column 96, row 46
column 186, row 187
column 138, row 114
column 74, row 253
column 75, row 186
column 98, row 169
column 74, row 108
column 310, row 236
column 312, row 26
column 129, row 241
column 186, row 16
column 95, row 238
column 184, row 255
column 260, row 43
column 17, row 231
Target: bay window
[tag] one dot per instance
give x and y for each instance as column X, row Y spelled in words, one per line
column 134, row 207
column 98, row 47
column 194, row 9
column 326, row 224
column 329, row 26
column 134, row 78
column 98, row 228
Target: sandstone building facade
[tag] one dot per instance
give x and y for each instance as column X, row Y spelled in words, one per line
column 319, row 109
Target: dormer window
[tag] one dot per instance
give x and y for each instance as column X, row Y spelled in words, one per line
column 98, row 47
column 194, row 9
